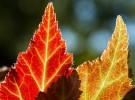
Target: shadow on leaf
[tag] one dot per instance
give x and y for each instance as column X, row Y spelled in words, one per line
column 130, row 95
column 130, row 72
column 66, row 88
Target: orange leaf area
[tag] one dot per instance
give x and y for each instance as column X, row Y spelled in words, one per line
column 106, row 78
column 42, row 64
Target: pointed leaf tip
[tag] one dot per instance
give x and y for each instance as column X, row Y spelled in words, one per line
column 107, row 78
column 41, row 65
column 119, row 21
column 119, row 17
column 50, row 4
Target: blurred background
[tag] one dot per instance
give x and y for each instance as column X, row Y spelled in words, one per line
column 86, row 25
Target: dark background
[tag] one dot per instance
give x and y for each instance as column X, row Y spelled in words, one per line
column 86, row 26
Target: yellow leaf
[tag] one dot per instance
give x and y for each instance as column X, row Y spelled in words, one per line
column 106, row 78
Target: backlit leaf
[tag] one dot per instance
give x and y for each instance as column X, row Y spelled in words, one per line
column 41, row 65
column 106, row 78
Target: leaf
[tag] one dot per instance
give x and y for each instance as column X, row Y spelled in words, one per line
column 64, row 89
column 41, row 96
column 41, row 65
column 106, row 78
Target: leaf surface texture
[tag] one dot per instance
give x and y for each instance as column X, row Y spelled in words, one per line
column 106, row 78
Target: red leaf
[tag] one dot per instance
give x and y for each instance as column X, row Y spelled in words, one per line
column 41, row 65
